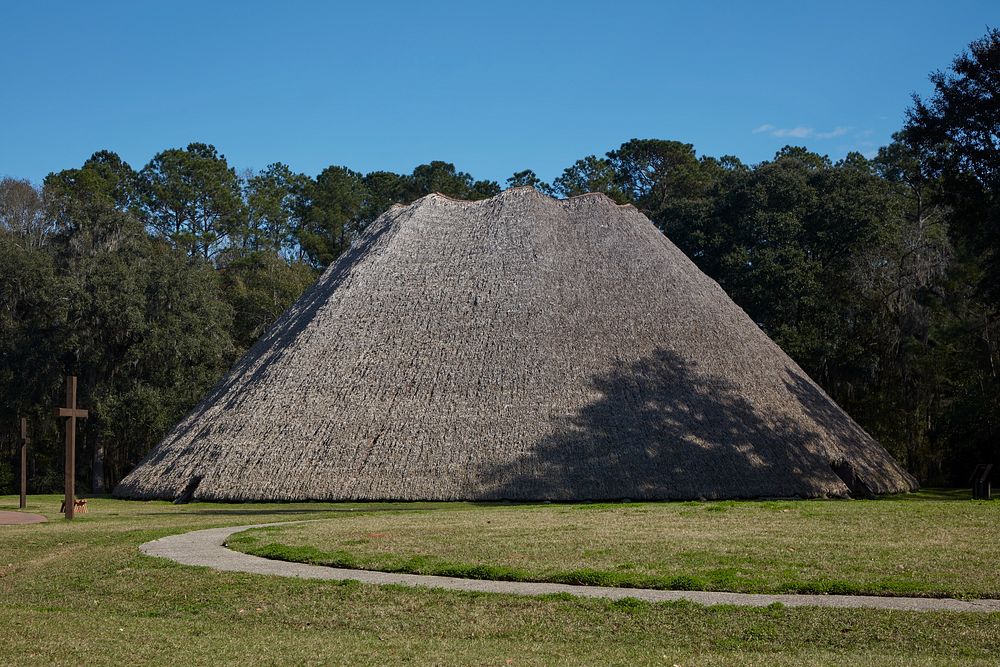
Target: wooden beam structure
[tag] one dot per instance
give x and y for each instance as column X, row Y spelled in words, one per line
column 25, row 441
column 72, row 413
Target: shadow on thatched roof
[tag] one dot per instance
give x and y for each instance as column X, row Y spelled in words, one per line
column 662, row 429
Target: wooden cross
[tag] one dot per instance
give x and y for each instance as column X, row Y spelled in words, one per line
column 73, row 413
column 25, row 441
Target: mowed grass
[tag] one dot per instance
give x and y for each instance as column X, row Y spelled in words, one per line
column 933, row 544
column 81, row 593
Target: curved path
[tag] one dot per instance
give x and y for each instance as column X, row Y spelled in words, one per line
column 207, row 548
column 19, row 518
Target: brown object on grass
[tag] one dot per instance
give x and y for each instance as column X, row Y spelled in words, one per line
column 79, row 506
column 518, row 347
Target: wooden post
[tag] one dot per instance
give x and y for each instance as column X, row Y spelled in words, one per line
column 73, row 413
column 25, row 440
column 981, row 481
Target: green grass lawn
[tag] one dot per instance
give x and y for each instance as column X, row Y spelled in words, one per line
column 928, row 544
column 81, row 594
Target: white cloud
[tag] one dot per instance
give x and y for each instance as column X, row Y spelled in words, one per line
column 795, row 132
column 801, row 131
column 838, row 131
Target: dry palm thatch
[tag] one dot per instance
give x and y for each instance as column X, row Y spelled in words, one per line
column 519, row 347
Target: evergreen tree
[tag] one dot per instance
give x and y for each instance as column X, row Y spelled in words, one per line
column 192, row 198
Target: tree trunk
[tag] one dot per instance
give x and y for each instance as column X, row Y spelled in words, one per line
column 97, row 469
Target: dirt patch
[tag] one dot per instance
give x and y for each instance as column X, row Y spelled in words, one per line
column 19, row 518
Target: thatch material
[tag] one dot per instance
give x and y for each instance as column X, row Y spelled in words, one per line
column 518, row 347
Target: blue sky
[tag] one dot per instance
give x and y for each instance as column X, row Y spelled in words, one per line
column 493, row 88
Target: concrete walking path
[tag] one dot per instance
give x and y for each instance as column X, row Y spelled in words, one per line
column 206, row 548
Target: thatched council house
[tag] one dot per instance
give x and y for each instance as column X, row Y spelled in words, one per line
column 520, row 347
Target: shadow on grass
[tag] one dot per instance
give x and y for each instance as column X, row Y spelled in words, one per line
column 239, row 512
column 935, row 494
column 356, row 508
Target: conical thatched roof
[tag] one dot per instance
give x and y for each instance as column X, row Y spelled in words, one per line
column 518, row 347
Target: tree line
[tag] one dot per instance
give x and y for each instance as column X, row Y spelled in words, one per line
column 880, row 276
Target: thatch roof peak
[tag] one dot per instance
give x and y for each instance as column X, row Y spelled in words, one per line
column 516, row 347
column 515, row 192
